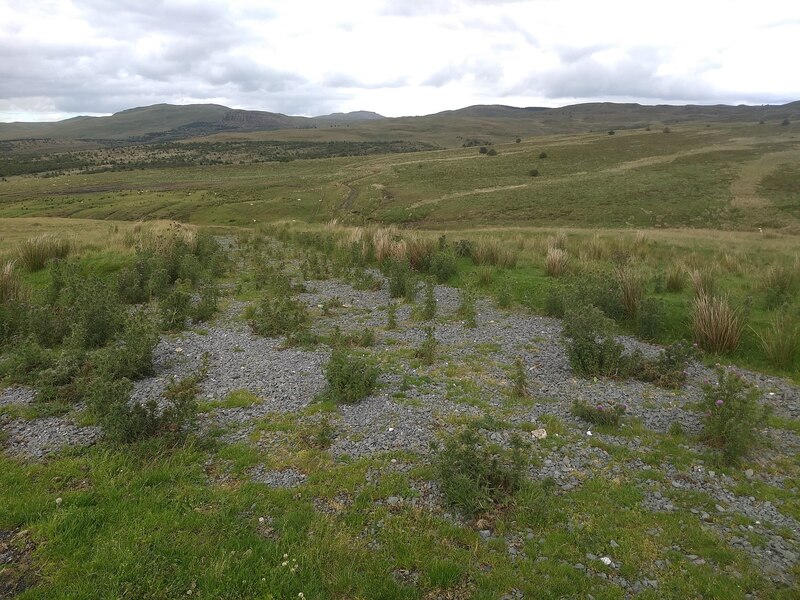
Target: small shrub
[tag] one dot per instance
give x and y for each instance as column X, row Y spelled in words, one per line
column 391, row 316
column 554, row 302
column 556, row 261
column 518, row 140
column 350, row 377
column 543, row 154
column 491, row 152
column 780, row 341
column 716, row 325
column 669, row 369
column 35, row 252
column 207, row 305
column 650, row 319
column 475, row 477
column 466, row 309
column 427, row 349
column 175, row 308
column 519, row 379
column 732, row 415
column 591, row 347
column 607, row 413
column 429, row 308
column 533, row 172
column 483, row 150
column 402, row 282
column 505, row 294
column 611, row 132
column 675, row 279
column 278, row 316
column 131, row 356
column 443, row 266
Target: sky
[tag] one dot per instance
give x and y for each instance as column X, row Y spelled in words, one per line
column 62, row 58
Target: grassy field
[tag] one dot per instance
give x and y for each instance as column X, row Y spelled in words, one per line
column 173, row 515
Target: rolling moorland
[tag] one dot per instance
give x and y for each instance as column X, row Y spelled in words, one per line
column 488, row 353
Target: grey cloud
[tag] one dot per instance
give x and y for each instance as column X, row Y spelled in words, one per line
column 483, row 71
column 634, row 76
column 343, row 80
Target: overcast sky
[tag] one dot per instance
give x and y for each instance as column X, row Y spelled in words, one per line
column 61, row 58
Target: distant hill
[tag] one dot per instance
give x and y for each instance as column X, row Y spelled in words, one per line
column 166, row 122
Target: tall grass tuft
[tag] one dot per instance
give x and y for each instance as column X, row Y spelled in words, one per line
column 702, row 282
column 675, row 279
column 491, row 251
column 717, row 326
column 779, row 284
column 557, row 241
column 631, row 289
column 596, row 248
column 35, row 252
column 555, row 264
column 10, row 284
column 420, row 251
column 780, row 341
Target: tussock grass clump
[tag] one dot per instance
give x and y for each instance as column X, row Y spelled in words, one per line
column 779, row 284
column 716, row 325
column 556, row 261
column 492, row 251
column 780, row 341
column 476, row 477
column 702, row 282
column 351, row 377
column 10, row 284
column 420, row 251
column 631, row 289
column 733, row 415
column 558, row 241
column 597, row 248
column 485, row 275
column 675, row 279
column 35, row 252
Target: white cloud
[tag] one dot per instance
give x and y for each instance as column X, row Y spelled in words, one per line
column 64, row 57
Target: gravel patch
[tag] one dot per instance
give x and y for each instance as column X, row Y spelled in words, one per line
column 41, row 437
column 286, row 478
column 17, row 394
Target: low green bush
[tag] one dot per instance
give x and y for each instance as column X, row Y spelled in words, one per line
column 275, row 316
column 444, row 266
column 733, row 416
column 608, row 412
column 427, row 349
column 351, row 377
column 475, row 477
column 591, row 347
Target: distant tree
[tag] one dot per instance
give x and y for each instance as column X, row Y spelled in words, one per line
column 611, row 132
column 491, row 152
column 519, row 140
column 533, row 172
column 483, row 150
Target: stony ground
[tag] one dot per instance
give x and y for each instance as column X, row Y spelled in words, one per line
column 469, row 380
